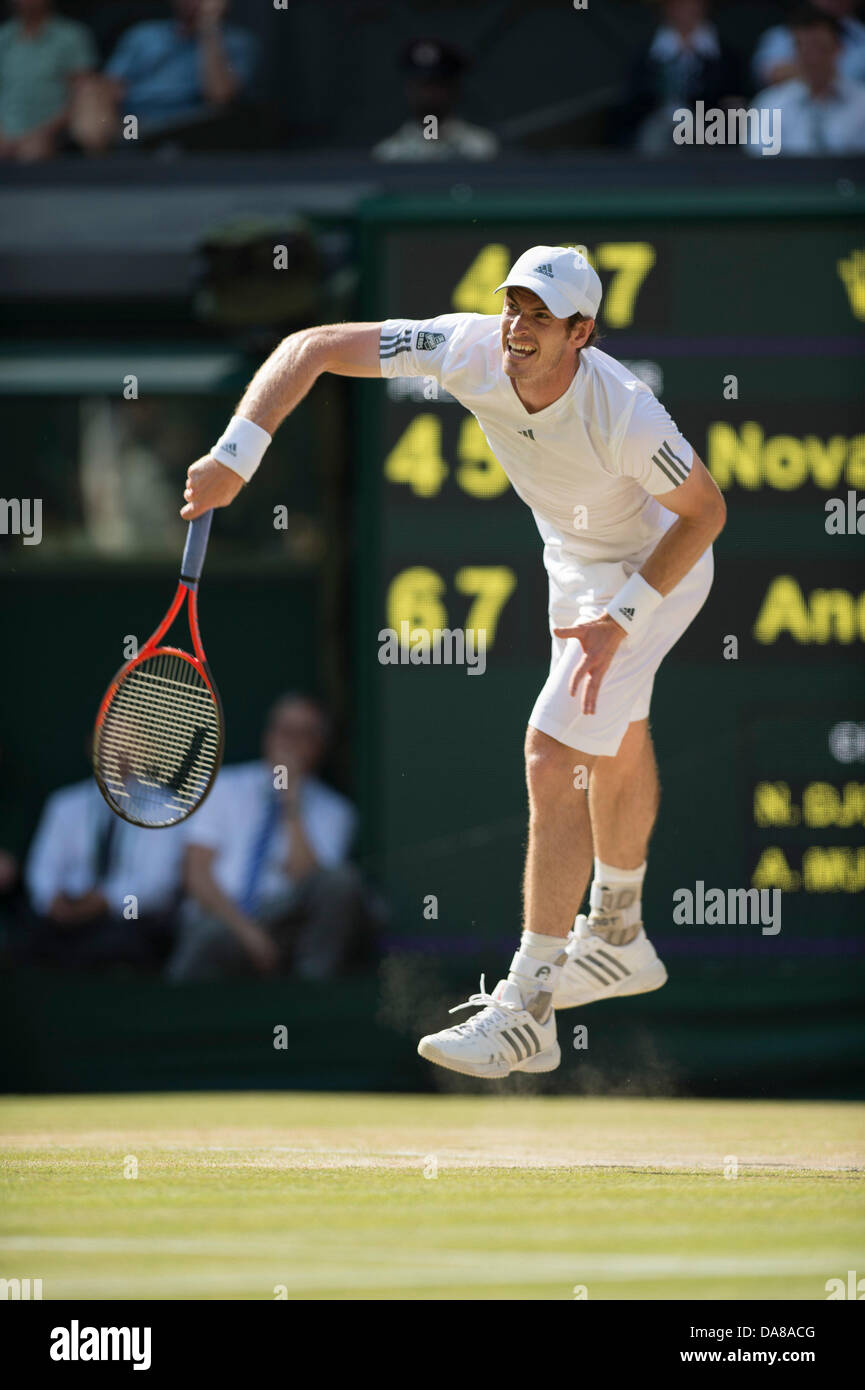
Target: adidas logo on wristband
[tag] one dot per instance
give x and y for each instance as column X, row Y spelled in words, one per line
column 242, row 446
column 637, row 614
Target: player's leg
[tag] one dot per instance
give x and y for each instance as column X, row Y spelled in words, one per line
column 559, row 855
column 561, row 739
column 624, row 795
column 515, row 1029
column 623, row 803
column 609, row 953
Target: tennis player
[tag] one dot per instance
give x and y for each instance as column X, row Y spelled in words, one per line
column 627, row 514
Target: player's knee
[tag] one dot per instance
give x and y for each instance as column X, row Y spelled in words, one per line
column 549, row 767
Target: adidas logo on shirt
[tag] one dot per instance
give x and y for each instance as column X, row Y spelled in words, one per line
column 545, row 269
column 527, row 434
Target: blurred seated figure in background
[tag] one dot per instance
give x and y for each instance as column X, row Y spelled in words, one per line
column 270, row 888
column 42, row 58
column 102, row 892
column 685, row 62
column 168, row 74
column 775, row 57
column 433, row 77
column 822, row 112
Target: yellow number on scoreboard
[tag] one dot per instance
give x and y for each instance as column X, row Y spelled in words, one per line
column 475, row 292
column 631, row 262
column 479, row 473
column 414, row 597
column 492, row 586
column 416, row 458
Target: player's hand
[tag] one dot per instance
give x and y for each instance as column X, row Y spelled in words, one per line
column 599, row 641
column 209, row 483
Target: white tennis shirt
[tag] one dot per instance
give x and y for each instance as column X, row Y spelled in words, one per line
column 590, row 465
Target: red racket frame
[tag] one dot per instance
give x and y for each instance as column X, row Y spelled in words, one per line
column 152, row 648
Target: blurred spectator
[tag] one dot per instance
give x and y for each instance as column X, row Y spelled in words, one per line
column 822, row 112
column 102, row 892
column 8, row 872
column 775, row 59
column 169, row 74
column 685, row 62
column 41, row 58
column 11, row 896
column 433, row 78
column 12, row 901
column 270, row 887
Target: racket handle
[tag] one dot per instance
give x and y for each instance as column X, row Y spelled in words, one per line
column 195, row 548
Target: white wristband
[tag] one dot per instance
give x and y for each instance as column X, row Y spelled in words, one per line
column 241, row 447
column 634, row 604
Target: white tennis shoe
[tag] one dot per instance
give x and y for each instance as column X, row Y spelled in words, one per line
column 596, row 970
column 504, row 1037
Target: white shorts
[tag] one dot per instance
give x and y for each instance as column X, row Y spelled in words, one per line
column 579, row 593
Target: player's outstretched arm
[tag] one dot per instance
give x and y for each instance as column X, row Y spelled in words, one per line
column 347, row 349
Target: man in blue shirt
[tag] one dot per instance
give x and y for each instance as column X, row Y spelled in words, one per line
column 168, row 73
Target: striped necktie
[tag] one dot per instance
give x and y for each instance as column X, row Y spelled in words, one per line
column 259, row 852
column 105, row 847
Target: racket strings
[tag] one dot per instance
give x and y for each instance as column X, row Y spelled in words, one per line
column 160, row 740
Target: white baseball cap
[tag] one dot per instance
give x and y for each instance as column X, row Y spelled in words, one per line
column 561, row 276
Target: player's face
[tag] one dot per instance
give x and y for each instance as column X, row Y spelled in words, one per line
column 535, row 344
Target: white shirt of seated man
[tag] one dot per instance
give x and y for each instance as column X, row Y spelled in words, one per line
column 231, row 823
column 144, row 865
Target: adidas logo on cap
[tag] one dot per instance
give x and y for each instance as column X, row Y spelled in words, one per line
column 564, row 280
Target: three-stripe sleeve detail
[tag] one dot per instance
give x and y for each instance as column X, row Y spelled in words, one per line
column 671, row 465
column 393, row 343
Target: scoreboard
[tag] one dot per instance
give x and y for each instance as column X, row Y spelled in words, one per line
column 745, row 316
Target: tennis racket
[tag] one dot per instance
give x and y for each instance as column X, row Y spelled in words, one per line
column 159, row 733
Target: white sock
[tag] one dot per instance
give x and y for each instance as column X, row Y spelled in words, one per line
column 537, row 964
column 615, row 899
